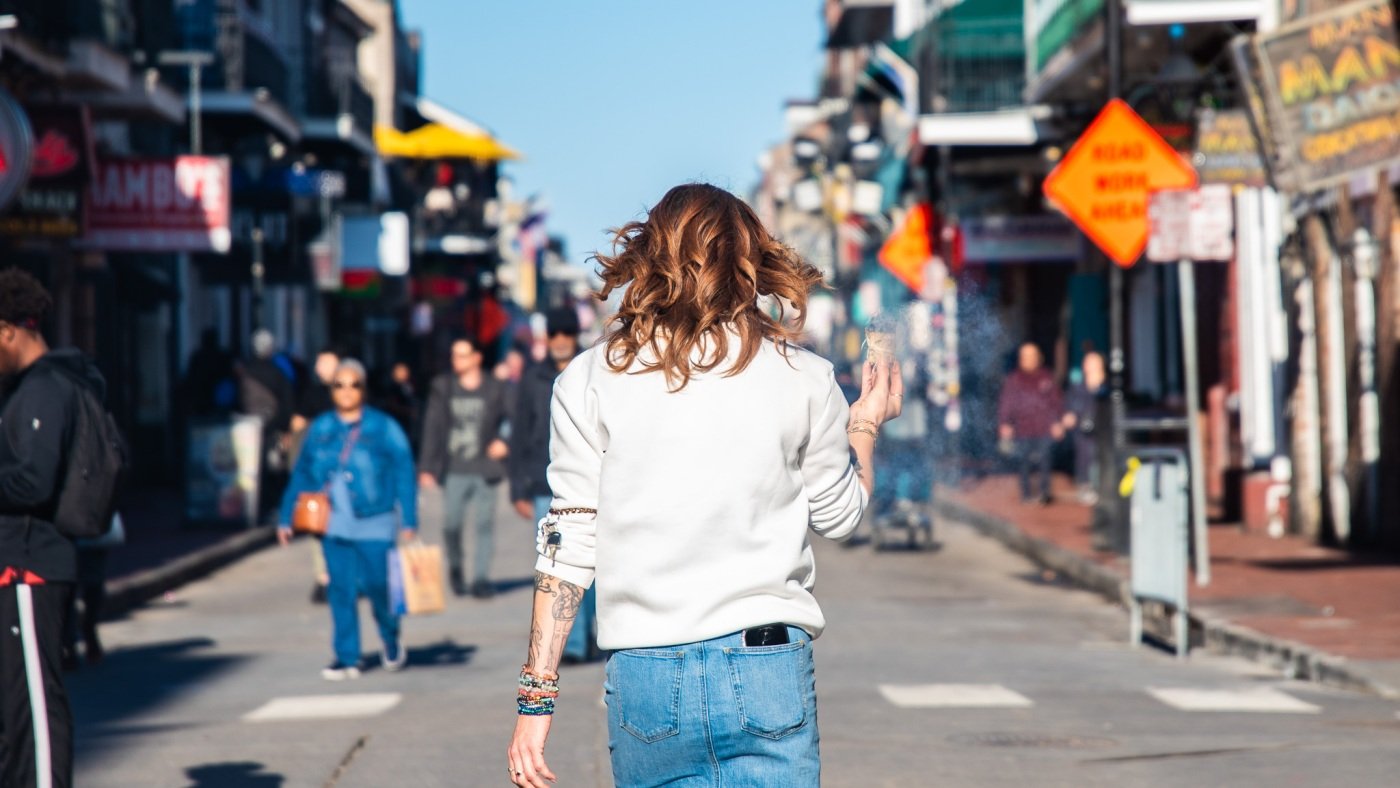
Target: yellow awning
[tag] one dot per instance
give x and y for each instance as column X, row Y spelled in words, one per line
column 436, row 141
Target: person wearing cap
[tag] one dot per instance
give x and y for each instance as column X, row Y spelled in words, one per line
column 529, row 451
column 360, row 457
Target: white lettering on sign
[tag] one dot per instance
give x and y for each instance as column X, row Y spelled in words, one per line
column 181, row 185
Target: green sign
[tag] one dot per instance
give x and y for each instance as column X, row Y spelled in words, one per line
column 1055, row 23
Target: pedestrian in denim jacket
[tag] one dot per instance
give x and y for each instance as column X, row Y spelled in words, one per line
column 360, row 457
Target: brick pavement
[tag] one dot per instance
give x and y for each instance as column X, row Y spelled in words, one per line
column 1337, row 602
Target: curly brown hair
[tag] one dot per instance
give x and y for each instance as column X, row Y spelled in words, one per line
column 692, row 272
column 23, row 301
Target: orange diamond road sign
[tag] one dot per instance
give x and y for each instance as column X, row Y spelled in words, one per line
column 1103, row 182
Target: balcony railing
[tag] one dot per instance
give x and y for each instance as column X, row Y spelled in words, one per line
column 983, row 63
column 244, row 59
column 331, row 98
column 54, row 23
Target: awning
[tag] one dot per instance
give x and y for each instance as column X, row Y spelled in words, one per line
column 436, row 141
column 257, row 105
column 1003, row 128
column 1172, row 12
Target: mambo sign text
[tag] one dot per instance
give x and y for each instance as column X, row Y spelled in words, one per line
column 179, row 204
column 1333, row 88
column 1103, row 182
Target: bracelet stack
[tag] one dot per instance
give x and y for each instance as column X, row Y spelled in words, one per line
column 537, row 693
column 864, row 426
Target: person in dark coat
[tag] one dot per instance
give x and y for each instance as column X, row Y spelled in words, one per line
column 529, row 454
column 1029, row 414
column 1082, row 405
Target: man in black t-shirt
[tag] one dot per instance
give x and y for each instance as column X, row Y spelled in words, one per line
column 462, row 452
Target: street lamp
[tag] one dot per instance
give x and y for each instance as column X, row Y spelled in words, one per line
column 196, row 60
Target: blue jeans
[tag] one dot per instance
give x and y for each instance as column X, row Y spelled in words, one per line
column 714, row 713
column 581, row 636
column 358, row 567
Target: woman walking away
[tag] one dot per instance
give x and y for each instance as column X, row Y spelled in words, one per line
column 691, row 452
column 360, row 457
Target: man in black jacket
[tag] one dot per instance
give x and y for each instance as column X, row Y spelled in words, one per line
column 37, row 562
column 529, row 452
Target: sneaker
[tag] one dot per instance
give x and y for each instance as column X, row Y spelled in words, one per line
column 483, row 589
column 459, row 586
column 336, row 671
column 395, row 663
column 318, row 594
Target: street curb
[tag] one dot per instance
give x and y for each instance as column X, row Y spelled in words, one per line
column 127, row 593
column 1216, row 635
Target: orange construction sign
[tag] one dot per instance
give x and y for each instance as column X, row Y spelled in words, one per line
column 909, row 248
column 1103, row 182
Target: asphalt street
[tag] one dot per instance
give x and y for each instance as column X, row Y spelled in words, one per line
column 961, row 666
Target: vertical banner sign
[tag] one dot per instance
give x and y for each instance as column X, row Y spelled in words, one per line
column 1191, row 224
column 1332, row 83
column 1103, row 182
column 51, row 203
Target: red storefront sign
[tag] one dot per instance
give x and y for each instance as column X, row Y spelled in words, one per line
column 160, row 205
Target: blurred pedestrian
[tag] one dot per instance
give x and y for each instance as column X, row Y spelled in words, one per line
column 462, row 452
column 39, row 411
column 359, row 457
column 313, row 400
column 529, row 454
column 266, row 391
column 1081, row 419
column 85, row 608
column 400, row 399
column 209, row 384
column 1029, row 414
column 690, row 454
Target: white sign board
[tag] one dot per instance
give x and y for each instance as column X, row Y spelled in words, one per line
column 1191, row 224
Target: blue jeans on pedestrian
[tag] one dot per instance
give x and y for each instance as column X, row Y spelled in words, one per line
column 358, row 567
column 714, row 713
column 581, row 636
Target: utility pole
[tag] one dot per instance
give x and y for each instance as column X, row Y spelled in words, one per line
column 195, row 60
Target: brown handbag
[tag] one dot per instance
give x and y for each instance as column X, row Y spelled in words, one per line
column 312, row 512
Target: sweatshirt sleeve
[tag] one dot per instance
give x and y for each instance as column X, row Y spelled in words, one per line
column 35, row 431
column 576, row 446
column 835, row 496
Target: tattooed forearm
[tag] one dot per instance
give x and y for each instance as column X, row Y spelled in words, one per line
column 556, row 605
column 566, row 601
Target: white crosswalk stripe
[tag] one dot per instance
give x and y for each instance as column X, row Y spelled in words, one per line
column 953, row 696
column 324, row 707
column 1265, row 700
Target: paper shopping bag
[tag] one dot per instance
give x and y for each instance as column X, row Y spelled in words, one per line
column 424, row 586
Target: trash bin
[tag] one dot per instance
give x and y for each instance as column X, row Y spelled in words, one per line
column 1159, row 506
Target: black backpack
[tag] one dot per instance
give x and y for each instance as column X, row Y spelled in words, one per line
column 98, row 462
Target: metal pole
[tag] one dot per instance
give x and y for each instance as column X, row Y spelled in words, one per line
column 196, row 133
column 1113, row 45
column 1186, row 274
column 259, row 271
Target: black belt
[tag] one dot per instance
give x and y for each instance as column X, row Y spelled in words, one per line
column 766, row 635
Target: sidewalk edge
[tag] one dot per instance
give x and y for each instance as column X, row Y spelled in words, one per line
column 127, row 593
column 1217, row 635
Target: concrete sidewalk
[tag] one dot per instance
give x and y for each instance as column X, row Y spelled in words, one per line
column 1314, row 612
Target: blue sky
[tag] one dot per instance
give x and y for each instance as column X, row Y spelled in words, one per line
column 614, row 101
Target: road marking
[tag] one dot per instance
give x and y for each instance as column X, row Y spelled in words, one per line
column 1256, row 699
column 953, row 696
column 324, row 707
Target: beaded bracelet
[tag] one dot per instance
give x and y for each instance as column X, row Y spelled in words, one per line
column 536, row 694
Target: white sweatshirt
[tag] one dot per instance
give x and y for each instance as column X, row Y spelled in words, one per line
column 705, row 497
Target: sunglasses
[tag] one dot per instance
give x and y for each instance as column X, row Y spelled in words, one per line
column 554, row 334
column 355, row 385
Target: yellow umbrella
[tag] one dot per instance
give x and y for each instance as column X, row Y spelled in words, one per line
column 436, row 141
